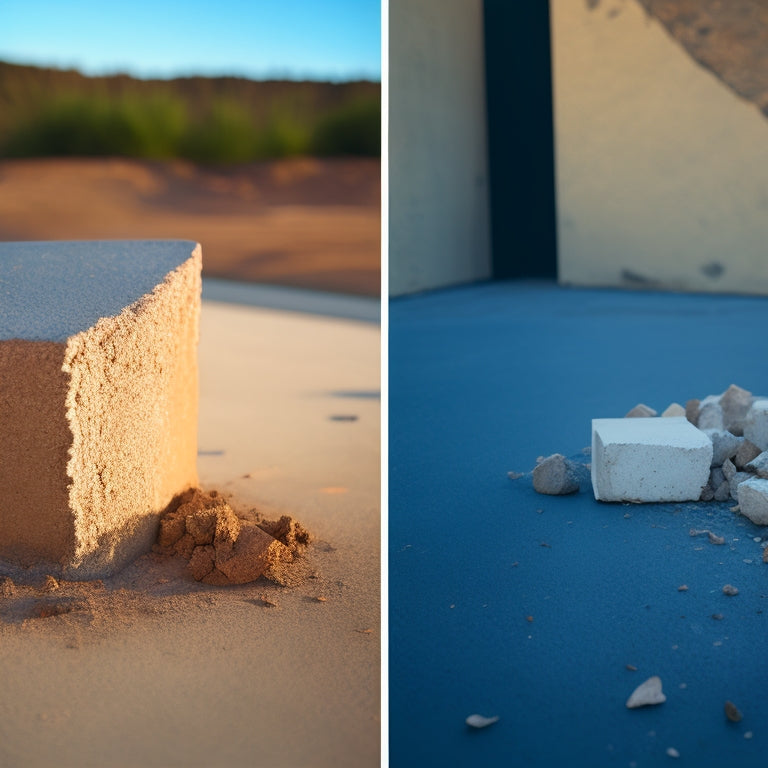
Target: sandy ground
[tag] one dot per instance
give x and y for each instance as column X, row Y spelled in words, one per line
column 150, row 668
column 304, row 222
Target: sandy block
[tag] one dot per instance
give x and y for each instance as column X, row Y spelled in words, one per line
column 98, row 398
column 648, row 460
column 753, row 500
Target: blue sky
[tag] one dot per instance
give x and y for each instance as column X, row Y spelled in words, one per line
column 315, row 39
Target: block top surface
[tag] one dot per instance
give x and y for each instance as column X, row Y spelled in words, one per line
column 674, row 431
column 50, row 291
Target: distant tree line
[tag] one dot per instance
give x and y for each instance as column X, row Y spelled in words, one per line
column 47, row 112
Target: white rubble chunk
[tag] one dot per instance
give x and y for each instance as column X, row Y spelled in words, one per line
column 753, row 500
column 692, row 411
column 555, row 476
column 649, row 460
column 673, row 409
column 747, row 452
column 759, row 465
column 647, row 694
column 756, row 424
column 724, row 445
column 723, row 491
column 710, row 413
column 735, row 481
column 640, row 411
column 735, row 403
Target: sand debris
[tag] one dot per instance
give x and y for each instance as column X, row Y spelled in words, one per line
column 647, row 694
column 222, row 548
column 672, row 752
column 479, row 721
column 732, row 712
column 51, row 584
column 7, row 587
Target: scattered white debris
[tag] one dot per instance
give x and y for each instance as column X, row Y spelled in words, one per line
column 672, row 752
column 515, row 475
column 556, row 476
column 725, row 445
column 756, row 424
column 735, row 403
column 640, row 411
column 748, row 734
column 710, row 413
column 647, row 694
column 747, row 453
column 478, row 721
column 753, row 499
column 730, row 590
column 713, row 537
column 732, row 712
column 758, row 465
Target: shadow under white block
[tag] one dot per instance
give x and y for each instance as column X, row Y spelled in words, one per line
column 649, row 460
column 98, row 398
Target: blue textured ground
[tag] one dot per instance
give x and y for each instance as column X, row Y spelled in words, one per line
column 483, row 380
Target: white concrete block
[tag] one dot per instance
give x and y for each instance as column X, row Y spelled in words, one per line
column 648, row 460
column 756, row 424
column 753, row 500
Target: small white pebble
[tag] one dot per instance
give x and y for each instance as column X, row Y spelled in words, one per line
column 748, row 734
column 672, row 752
column 730, row 590
column 757, row 539
column 718, row 642
column 478, row 721
column 746, row 560
column 683, row 685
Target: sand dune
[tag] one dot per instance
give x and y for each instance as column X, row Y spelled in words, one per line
column 301, row 222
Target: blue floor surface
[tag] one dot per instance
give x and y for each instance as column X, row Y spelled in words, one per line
column 506, row 602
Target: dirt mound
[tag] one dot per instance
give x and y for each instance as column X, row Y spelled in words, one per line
column 222, row 548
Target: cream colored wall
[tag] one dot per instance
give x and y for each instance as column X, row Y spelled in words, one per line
column 438, row 172
column 662, row 171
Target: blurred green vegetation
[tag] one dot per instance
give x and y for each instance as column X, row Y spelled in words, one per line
column 207, row 120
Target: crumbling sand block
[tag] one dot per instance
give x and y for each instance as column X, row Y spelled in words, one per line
column 648, row 460
column 98, row 397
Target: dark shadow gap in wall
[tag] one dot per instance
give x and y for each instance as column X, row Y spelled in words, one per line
column 520, row 139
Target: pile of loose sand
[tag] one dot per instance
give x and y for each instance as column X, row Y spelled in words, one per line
column 223, row 548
